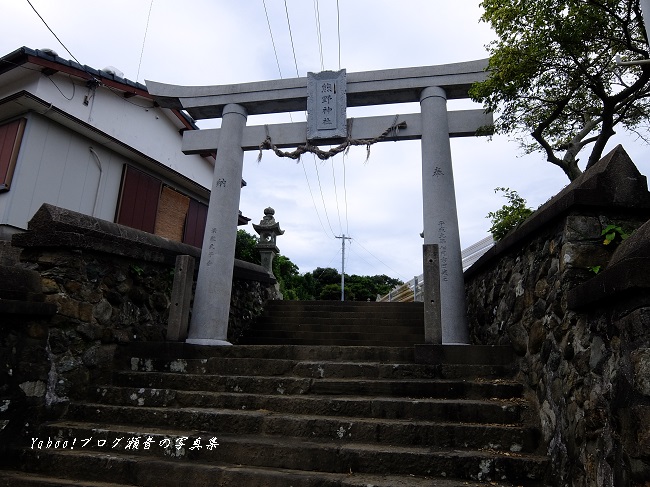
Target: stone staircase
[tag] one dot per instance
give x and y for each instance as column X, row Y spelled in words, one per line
column 339, row 323
column 292, row 416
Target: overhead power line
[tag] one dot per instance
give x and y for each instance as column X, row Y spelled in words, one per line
column 275, row 51
column 146, row 29
column 338, row 29
column 323, row 197
column 55, row 36
column 378, row 259
column 336, row 196
column 319, row 35
column 293, row 49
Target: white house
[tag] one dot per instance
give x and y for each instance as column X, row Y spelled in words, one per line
column 91, row 141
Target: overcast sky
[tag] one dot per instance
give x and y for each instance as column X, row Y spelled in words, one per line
column 378, row 203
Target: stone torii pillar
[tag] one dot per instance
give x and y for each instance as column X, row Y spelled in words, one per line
column 209, row 325
column 439, row 213
column 430, row 85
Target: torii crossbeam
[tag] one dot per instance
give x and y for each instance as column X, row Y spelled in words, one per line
column 431, row 86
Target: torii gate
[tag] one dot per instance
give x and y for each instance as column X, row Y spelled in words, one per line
column 431, row 86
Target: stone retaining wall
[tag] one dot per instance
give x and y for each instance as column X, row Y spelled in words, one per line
column 585, row 362
column 109, row 285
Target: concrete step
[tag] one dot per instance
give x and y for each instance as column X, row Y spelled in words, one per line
column 339, row 326
column 9, row 478
column 369, row 335
column 421, row 353
column 493, row 411
column 333, row 456
column 180, row 350
column 288, row 385
column 318, row 369
column 342, row 306
column 338, row 323
column 334, row 342
column 152, row 472
column 367, row 430
column 300, row 416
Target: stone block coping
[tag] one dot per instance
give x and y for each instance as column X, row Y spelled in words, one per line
column 54, row 227
column 613, row 182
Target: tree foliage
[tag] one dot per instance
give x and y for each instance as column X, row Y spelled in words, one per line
column 510, row 216
column 552, row 75
column 321, row 283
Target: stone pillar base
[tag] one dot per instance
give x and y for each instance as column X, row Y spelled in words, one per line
column 207, row 341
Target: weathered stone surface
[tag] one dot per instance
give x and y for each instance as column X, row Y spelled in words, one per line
column 641, row 366
column 587, row 336
column 103, row 284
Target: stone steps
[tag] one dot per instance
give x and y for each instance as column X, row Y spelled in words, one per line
column 293, row 416
column 155, row 472
column 318, row 368
column 340, row 455
column 352, row 428
column 338, row 323
column 508, row 411
column 415, row 388
column 22, row 479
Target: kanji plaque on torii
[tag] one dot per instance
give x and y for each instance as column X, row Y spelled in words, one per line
column 326, row 105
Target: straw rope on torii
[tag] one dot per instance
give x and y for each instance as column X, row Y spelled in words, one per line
column 323, row 155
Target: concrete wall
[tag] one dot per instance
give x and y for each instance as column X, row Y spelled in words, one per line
column 584, row 362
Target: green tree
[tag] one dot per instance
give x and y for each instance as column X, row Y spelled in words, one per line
column 321, row 283
column 552, row 75
column 510, row 216
column 331, row 292
column 245, row 247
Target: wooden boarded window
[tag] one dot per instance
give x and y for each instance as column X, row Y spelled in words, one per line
column 197, row 215
column 172, row 212
column 11, row 135
column 138, row 206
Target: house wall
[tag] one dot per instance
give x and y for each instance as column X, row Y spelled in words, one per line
column 134, row 121
column 56, row 166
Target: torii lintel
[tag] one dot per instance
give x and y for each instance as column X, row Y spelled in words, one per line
column 402, row 85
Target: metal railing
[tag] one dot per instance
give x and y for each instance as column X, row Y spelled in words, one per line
column 412, row 290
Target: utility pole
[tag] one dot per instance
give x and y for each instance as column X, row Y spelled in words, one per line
column 343, row 239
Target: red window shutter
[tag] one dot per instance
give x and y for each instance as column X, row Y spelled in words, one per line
column 197, row 215
column 11, row 135
column 139, row 200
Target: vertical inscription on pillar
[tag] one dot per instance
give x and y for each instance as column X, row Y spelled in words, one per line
column 326, row 105
column 442, row 242
column 212, row 247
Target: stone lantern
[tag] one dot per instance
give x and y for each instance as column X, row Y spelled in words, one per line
column 268, row 230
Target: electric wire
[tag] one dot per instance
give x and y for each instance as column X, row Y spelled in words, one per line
column 338, row 29
column 275, row 51
column 57, row 87
column 55, row 36
column 353, row 251
column 137, row 77
column 336, row 196
column 319, row 35
column 312, row 198
column 378, row 259
column 295, row 61
column 345, row 195
column 293, row 49
column 323, row 197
